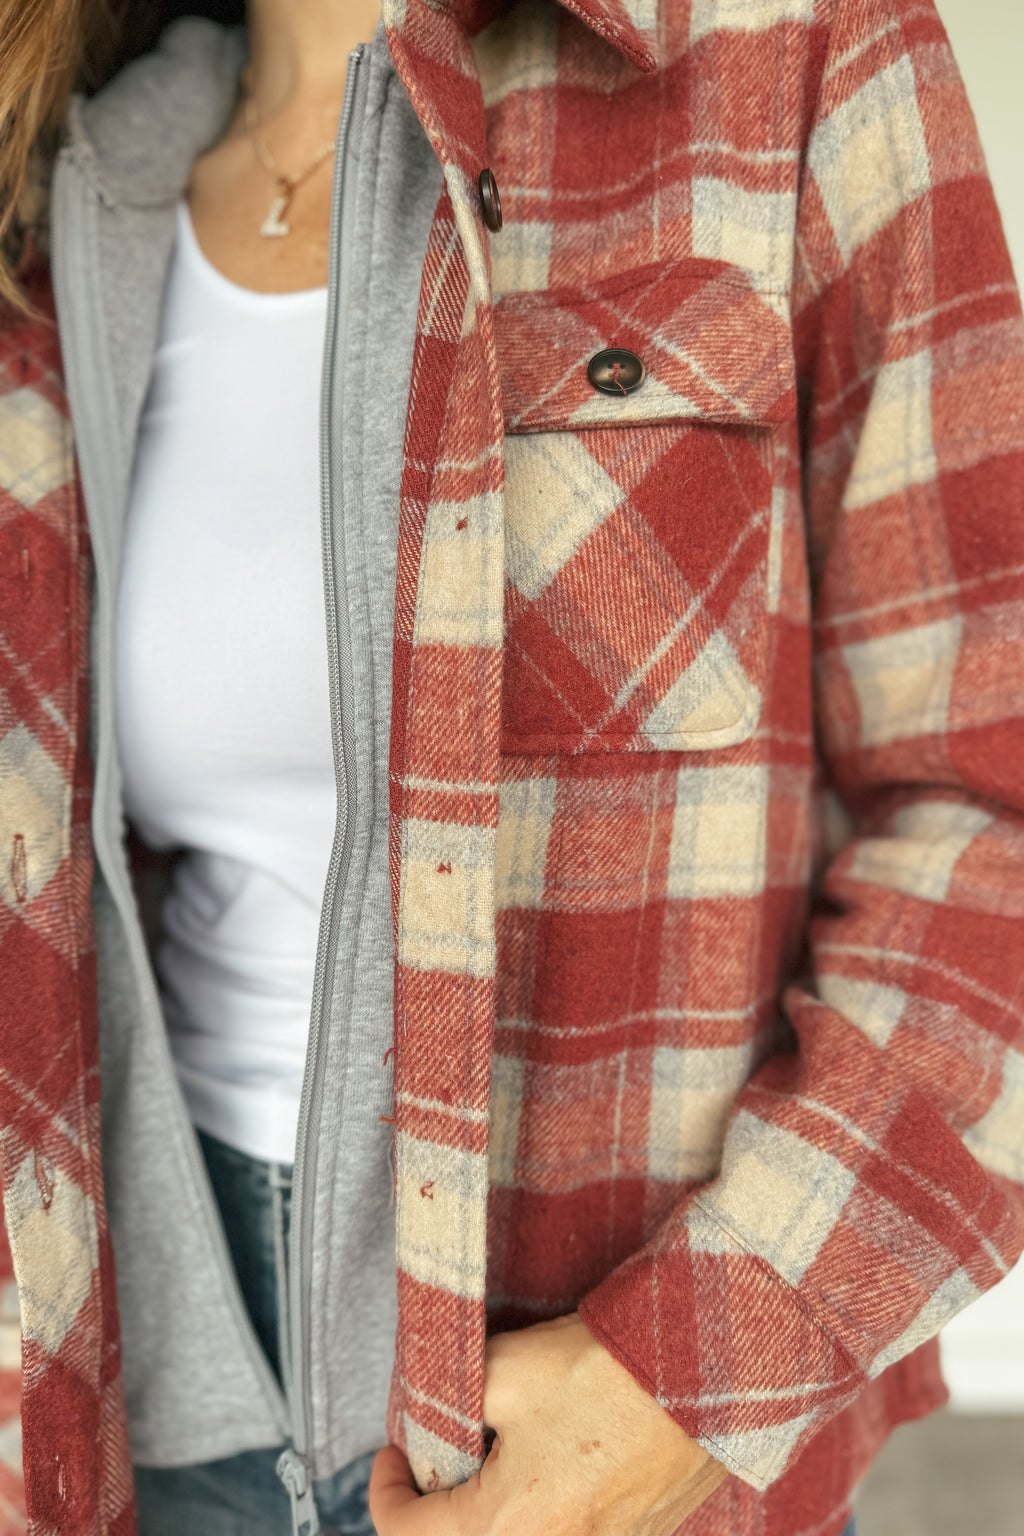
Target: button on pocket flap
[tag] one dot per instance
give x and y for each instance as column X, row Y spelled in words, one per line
column 714, row 347
column 638, row 522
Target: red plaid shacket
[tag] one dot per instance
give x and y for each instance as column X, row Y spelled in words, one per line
column 709, row 707
column 707, row 850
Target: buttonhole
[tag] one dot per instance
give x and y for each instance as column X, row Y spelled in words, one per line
column 19, row 868
column 46, row 1179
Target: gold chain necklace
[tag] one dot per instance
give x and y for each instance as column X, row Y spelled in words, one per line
column 274, row 225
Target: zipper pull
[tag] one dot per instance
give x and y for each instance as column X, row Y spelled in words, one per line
column 294, row 1473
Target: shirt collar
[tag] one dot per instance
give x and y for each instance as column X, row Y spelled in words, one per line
column 630, row 26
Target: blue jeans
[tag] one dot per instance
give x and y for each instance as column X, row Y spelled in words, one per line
column 242, row 1495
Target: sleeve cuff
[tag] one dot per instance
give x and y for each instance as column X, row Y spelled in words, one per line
column 725, row 1344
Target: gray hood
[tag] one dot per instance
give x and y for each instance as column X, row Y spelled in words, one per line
column 137, row 140
column 133, row 145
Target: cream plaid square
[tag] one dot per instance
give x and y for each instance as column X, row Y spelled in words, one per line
column 55, row 1249
column 896, row 448
column 506, row 1107
column 461, row 590
column 781, row 1195
column 445, row 918
column 10, row 1326
column 773, row 593
column 642, row 13
column 920, row 856
column 692, row 1093
column 11, row 1463
column 745, row 15
column 873, row 1008
column 527, row 808
column 903, row 681
column 870, row 158
column 996, row 1139
column 748, row 229
column 441, row 1215
column 517, row 52
column 556, row 495
column 35, row 447
column 762, row 1453
column 718, row 833
column 713, row 703
column 435, row 1463
column 706, row 1235
column 33, row 797
column 521, row 260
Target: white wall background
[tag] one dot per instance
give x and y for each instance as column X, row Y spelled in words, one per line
column 988, row 40
column 983, row 1350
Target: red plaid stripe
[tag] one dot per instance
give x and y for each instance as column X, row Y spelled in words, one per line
column 77, row 1473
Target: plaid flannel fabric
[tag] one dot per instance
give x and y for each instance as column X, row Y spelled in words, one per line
column 77, row 1475
column 705, row 814
column 705, row 756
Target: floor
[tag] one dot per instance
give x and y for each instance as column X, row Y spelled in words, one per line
column 950, row 1475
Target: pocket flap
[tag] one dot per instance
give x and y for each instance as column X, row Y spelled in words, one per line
column 715, row 346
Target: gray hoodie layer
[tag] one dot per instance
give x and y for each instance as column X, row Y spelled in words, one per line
column 197, row 1382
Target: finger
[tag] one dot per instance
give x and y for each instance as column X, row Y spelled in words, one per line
column 398, row 1509
column 392, row 1488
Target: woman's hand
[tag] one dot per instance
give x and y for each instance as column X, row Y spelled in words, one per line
column 580, row 1450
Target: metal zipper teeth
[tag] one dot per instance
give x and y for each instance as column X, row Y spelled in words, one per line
column 340, row 680
column 95, row 411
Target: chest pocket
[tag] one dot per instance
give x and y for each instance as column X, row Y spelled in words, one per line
column 638, row 525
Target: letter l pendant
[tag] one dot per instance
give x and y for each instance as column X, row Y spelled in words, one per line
column 274, row 226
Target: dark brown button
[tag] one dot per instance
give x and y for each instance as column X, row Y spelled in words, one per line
column 615, row 371
column 489, row 199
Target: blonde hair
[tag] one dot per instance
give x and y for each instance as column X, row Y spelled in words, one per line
column 47, row 47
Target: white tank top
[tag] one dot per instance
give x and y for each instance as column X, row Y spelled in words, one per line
column 222, row 704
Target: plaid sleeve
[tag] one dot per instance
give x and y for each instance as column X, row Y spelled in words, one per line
column 872, row 1182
